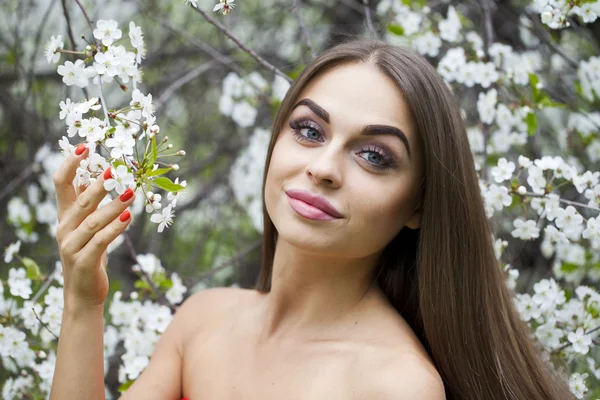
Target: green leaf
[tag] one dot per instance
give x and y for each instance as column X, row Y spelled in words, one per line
column 117, row 163
column 166, row 184
column 396, row 29
column 141, row 284
column 546, row 102
column 125, row 386
column 532, row 123
column 533, row 81
column 33, row 270
column 294, row 74
column 159, row 171
column 569, row 267
column 154, row 153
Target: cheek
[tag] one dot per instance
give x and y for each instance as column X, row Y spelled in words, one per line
column 382, row 208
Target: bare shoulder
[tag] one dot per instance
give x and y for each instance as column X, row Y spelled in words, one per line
column 202, row 310
column 392, row 363
column 408, row 376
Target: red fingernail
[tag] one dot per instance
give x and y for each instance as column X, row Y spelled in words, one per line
column 107, row 174
column 125, row 216
column 80, row 149
column 126, row 195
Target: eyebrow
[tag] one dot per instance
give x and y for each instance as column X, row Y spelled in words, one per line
column 370, row 130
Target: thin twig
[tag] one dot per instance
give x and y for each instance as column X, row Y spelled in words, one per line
column 232, row 260
column 89, row 21
column 160, row 296
column 46, row 285
column 34, row 54
column 102, row 102
column 572, row 203
column 298, row 8
column 557, row 350
column 488, row 37
column 16, row 182
column 72, row 38
column 43, row 324
column 241, row 45
column 208, row 49
column 69, row 28
column 173, row 87
column 368, row 18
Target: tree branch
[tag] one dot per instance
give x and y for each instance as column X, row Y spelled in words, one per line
column 368, row 18
column 241, row 45
column 89, row 21
column 173, row 87
column 298, row 8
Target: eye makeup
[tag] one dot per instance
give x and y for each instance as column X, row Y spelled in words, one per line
column 378, row 156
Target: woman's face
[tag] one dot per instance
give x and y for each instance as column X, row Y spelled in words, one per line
column 350, row 139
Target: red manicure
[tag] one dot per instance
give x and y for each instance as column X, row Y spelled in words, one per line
column 125, row 216
column 126, row 195
column 80, row 149
column 107, row 174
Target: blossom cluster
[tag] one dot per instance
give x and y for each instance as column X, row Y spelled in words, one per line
column 136, row 324
column 117, row 131
column 555, row 13
column 530, row 194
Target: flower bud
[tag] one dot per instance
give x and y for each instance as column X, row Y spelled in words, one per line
column 181, row 153
column 155, row 129
column 170, row 146
column 134, row 295
column 521, row 190
column 174, row 166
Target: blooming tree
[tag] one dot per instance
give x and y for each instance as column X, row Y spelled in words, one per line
column 535, row 142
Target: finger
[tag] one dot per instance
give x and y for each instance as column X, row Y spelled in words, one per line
column 81, row 189
column 105, row 257
column 86, row 203
column 97, row 221
column 98, row 244
column 63, row 179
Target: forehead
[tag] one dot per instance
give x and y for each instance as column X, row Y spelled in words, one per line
column 360, row 93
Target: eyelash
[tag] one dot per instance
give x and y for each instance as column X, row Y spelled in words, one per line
column 387, row 160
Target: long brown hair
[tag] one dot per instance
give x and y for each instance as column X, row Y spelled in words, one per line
column 444, row 278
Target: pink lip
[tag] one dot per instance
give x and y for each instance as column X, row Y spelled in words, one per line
column 311, row 205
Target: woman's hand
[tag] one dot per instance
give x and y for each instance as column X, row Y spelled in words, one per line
column 84, row 232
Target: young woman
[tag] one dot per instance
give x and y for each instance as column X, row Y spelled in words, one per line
column 379, row 279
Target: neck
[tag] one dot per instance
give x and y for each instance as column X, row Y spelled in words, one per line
column 312, row 294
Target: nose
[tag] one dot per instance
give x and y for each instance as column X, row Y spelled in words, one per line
column 324, row 167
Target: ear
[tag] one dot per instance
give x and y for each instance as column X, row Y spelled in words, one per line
column 415, row 221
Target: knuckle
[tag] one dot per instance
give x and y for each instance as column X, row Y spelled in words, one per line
column 58, row 178
column 65, row 249
column 60, row 233
column 91, row 222
column 99, row 241
column 83, row 202
column 116, row 228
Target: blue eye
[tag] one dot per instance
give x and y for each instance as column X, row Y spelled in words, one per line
column 307, row 131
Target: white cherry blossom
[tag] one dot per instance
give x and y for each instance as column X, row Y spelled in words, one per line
column 107, row 31
column 52, row 47
column 120, row 180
